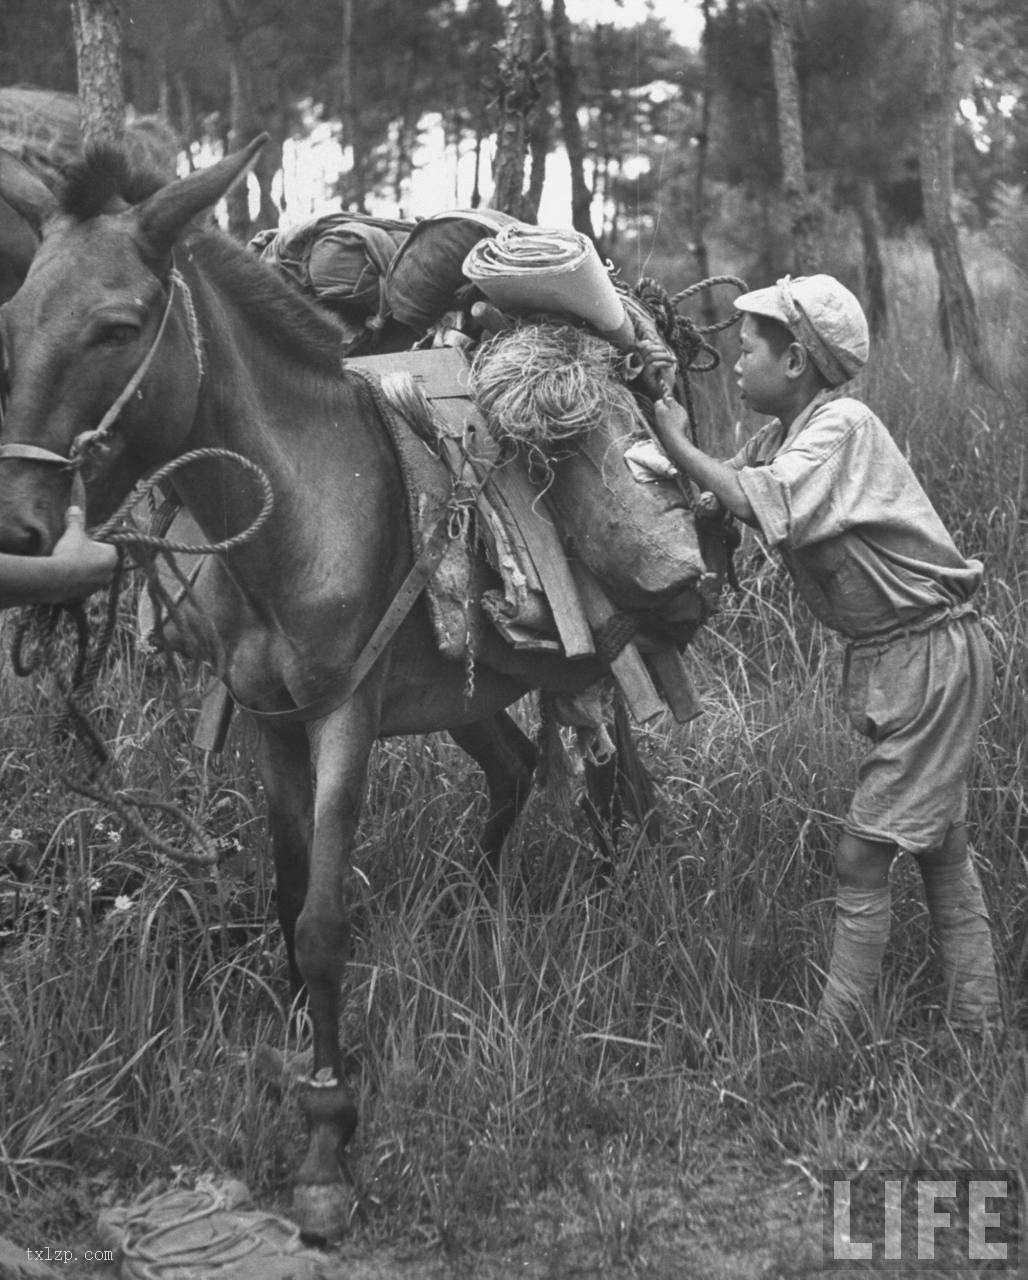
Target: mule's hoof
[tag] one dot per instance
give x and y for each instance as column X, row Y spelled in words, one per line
column 322, row 1210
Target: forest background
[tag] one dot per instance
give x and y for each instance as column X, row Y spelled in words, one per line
column 673, row 156
column 578, row 1081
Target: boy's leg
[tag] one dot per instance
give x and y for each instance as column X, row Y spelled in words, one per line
column 863, row 907
column 960, row 922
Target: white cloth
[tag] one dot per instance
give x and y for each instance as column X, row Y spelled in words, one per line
column 648, row 462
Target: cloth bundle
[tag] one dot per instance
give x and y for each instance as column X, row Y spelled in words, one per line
column 427, row 273
column 213, row 1230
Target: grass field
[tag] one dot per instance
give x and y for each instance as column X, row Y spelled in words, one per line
column 579, row 1075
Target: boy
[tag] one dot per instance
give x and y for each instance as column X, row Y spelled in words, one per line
column 827, row 487
column 77, row 567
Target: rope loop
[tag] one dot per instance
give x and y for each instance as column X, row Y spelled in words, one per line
column 112, row 532
column 36, row 643
column 686, row 339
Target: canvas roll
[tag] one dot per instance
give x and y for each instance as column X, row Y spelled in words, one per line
column 526, row 269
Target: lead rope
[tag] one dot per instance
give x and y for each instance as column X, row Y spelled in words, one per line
column 685, row 338
column 94, row 778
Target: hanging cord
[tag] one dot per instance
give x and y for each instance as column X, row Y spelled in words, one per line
column 40, row 628
column 686, row 339
column 694, row 354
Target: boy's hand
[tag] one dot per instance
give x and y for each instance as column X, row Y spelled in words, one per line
column 671, row 422
column 659, row 368
column 708, row 506
column 88, row 565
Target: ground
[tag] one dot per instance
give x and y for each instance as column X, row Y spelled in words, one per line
column 728, row 1222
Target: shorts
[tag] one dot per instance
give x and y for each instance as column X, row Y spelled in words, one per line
column 920, row 698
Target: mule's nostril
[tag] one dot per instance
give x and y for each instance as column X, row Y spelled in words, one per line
column 36, row 542
column 23, row 539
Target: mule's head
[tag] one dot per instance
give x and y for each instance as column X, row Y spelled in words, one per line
column 101, row 305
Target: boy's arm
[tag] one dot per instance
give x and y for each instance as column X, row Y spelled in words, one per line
column 722, row 479
column 77, row 567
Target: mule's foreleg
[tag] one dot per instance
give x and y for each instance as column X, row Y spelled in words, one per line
column 340, row 747
column 283, row 761
column 508, row 759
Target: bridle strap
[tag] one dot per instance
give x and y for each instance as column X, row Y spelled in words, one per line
column 35, row 453
column 95, row 437
column 91, row 439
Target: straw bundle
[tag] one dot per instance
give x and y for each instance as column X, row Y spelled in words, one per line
column 542, row 384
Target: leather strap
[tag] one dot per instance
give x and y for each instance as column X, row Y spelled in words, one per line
column 35, row 453
column 411, row 587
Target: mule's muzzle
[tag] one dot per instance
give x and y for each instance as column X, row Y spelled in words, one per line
column 34, row 494
column 24, row 535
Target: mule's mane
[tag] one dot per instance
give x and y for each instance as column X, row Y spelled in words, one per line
column 273, row 306
column 102, row 179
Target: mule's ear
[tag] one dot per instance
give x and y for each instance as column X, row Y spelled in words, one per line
column 26, row 193
column 163, row 216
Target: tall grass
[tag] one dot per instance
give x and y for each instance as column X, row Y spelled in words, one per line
column 549, row 1062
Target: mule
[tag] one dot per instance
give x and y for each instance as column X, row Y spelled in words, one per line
column 239, row 360
column 18, row 238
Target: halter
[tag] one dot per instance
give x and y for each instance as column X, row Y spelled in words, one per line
column 95, row 438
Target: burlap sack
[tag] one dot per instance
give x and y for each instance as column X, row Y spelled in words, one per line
column 640, row 540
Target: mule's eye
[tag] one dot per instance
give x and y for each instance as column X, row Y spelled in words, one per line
column 117, row 334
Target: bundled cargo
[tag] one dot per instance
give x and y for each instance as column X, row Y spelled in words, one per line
column 428, row 272
column 42, row 128
column 340, row 259
column 555, row 392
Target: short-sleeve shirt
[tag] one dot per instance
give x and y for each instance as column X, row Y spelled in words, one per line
column 839, row 501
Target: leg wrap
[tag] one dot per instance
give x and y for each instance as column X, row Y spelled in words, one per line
column 861, row 934
column 960, row 922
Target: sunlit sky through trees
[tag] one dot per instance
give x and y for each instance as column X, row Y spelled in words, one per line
column 444, row 181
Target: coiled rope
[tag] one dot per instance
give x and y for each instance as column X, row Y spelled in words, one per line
column 686, row 339
column 40, row 627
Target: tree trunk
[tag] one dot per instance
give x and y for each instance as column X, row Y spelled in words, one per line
column 241, row 113
column 540, row 127
column 237, row 201
column 186, row 114
column 699, row 213
column 565, row 76
column 97, row 28
column 866, row 204
column 476, row 187
column 518, row 94
column 958, row 317
column 540, row 136
column 790, row 136
column 353, row 190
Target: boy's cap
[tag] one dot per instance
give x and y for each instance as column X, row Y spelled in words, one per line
column 823, row 315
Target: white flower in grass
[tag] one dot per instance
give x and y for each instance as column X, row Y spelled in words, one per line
column 94, row 884
column 122, row 902
column 17, row 833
